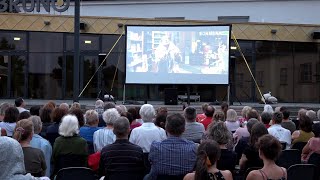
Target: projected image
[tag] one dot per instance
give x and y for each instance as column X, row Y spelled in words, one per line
column 198, row 50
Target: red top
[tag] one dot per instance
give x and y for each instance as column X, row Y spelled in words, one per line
column 206, row 121
column 200, row 117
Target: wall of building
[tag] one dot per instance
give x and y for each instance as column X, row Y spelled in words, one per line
column 280, row 11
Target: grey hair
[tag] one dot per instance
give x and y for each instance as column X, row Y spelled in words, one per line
column 110, row 116
column 121, row 109
column 301, row 112
column 69, row 126
column 267, row 108
column 220, row 133
column 91, row 116
column 64, row 106
column 312, row 115
column 121, row 127
column 318, row 115
column 245, row 111
column 3, row 108
column 99, row 104
column 37, row 124
column 147, row 112
column 277, row 109
column 231, row 115
column 76, row 105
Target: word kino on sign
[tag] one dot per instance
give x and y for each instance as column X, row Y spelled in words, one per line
column 30, row 5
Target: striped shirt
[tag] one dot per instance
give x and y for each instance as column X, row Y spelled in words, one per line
column 173, row 156
column 103, row 137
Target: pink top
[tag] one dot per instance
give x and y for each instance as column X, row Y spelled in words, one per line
column 314, row 145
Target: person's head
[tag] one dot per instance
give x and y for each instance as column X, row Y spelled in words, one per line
column 305, row 123
column 204, row 107
column 108, row 105
column 49, row 106
column 266, row 117
column 207, row 155
column 250, row 124
column 99, row 104
column 318, row 114
column 268, row 108
column 79, row 114
column 147, row 112
column 162, row 111
column 258, row 130
column 269, row 147
column 75, row 105
column 45, row 114
column 231, row 115
column 121, row 109
column 69, row 126
column 19, row 102
column 24, row 115
column 175, row 124
column 277, row 109
column 219, row 133
column 23, row 130
column 134, row 113
column 35, row 110
column 3, row 108
column 277, row 117
column 316, row 129
column 52, row 104
column 224, row 107
column 57, row 114
column 128, row 116
column 190, row 114
column 312, row 115
column 92, row 117
column 209, row 111
column 283, row 108
column 286, row 114
column 121, row 128
column 110, row 116
column 218, row 116
column 161, row 121
column 64, row 106
column 11, row 115
column 253, row 114
column 244, row 111
column 301, row 112
column 37, row 124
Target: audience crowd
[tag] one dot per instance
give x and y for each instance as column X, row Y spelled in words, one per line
column 147, row 143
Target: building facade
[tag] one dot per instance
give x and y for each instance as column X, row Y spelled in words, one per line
column 36, row 57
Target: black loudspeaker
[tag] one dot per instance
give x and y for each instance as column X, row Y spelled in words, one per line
column 316, row 35
column 82, row 26
column 171, row 96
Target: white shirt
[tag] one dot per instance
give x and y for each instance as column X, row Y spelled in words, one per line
column 232, row 125
column 21, row 109
column 144, row 135
column 103, row 137
column 282, row 134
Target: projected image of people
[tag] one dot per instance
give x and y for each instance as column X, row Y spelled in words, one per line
column 173, row 52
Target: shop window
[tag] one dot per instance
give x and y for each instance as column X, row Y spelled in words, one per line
column 239, row 80
column 305, row 72
column 13, row 41
column 283, row 76
column 259, row 78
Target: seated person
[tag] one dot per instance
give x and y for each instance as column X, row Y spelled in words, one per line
column 266, row 118
column 219, row 133
column 250, row 157
column 313, row 145
column 91, row 126
column 174, row 156
column 53, row 130
column 148, row 132
column 276, row 130
column 41, row 143
column 69, row 149
column 305, row 132
column 122, row 159
column 286, row 122
column 206, row 165
column 12, row 162
column 269, row 150
column 193, row 130
column 209, row 115
column 34, row 159
column 232, row 122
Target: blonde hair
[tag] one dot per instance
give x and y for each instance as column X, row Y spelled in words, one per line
column 231, row 115
column 91, row 116
column 23, row 129
column 245, row 111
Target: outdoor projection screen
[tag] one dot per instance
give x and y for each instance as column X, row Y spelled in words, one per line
column 177, row 54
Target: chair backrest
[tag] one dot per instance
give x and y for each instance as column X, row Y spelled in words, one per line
column 315, row 160
column 299, row 146
column 76, row 173
column 303, row 171
column 249, row 170
column 170, row 177
column 70, row 160
column 288, row 158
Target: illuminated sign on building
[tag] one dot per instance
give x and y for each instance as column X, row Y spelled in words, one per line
column 31, row 5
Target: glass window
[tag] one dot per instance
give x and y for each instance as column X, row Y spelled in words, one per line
column 4, row 63
column 260, row 78
column 13, row 41
column 87, row 42
column 108, row 42
column 17, row 75
column 45, row 42
column 265, row 47
column 318, row 72
column 305, row 72
column 69, row 77
column 45, row 75
column 283, row 76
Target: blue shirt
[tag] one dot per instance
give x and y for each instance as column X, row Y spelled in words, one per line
column 173, row 156
column 87, row 132
column 44, row 145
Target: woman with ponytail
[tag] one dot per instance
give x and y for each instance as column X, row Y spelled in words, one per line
column 34, row 160
column 206, row 165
